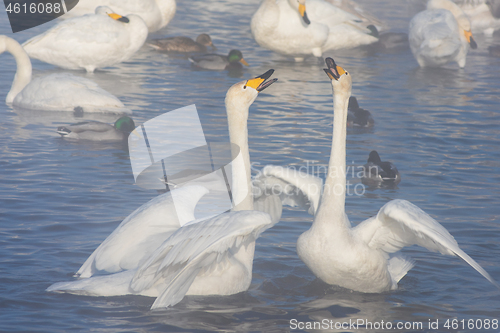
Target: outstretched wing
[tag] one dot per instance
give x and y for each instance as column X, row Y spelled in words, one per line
column 295, row 188
column 400, row 223
column 195, row 248
column 143, row 231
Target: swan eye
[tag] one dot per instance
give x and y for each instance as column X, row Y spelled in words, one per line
column 244, row 87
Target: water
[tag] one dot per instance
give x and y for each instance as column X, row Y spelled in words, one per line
column 59, row 200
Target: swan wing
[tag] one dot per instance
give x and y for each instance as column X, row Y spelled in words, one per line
column 143, row 231
column 195, row 248
column 400, row 223
column 295, row 187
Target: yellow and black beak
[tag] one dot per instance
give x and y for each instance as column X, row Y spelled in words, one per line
column 333, row 71
column 118, row 17
column 303, row 14
column 470, row 39
column 259, row 83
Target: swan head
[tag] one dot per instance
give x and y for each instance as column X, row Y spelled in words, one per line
column 105, row 10
column 341, row 80
column 244, row 93
column 300, row 5
column 462, row 19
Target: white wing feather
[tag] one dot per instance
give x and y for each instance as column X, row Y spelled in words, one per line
column 400, row 223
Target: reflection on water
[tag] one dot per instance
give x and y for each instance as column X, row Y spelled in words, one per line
column 59, row 200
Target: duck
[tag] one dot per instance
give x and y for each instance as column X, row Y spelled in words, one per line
column 98, row 131
column 358, row 117
column 365, row 258
column 494, row 50
column 55, row 92
column 441, row 34
column 162, row 251
column 155, row 13
column 286, row 27
column 183, row 44
column 217, row 62
column 90, row 41
column 484, row 15
column 376, row 171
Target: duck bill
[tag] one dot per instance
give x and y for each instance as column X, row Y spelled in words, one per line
column 213, row 47
column 244, row 62
column 333, row 71
column 303, row 14
column 259, row 83
column 118, row 17
column 470, row 39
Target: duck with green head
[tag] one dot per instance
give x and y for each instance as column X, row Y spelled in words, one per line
column 98, row 131
column 217, row 62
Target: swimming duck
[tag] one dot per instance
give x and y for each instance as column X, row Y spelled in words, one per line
column 217, row 62
column 90, row 41
column 440, row 34
column 55, row 92
column 98, row 131
column 183, row 44
column 155, row 13
column 286, row 27
column 365, row 258
column 161, row 251
column 358, row 117
column 375, row 171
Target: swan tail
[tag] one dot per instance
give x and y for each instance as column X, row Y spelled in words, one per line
column 399, row 265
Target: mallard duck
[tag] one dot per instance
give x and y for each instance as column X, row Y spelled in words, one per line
column 97, row 131
column 183, row 44
column 217, row 62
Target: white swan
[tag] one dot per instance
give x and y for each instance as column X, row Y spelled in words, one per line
column 156, row 13
column 440, row 34
column 364, row 258
column 152, row 255
column 484, row 15
column 90, row 41
column 55, row 92
column 285, row 26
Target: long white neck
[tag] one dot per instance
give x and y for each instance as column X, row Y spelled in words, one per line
column 23, row 73
column 237, row 116
column 331, row 211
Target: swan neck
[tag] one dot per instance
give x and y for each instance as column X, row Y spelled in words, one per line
column 332, row 207
column 23, row 72
column 237, row 116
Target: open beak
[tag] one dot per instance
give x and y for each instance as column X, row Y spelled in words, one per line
column 244, row 62
column 303, row 14
column 118, row 17
column 333, row 71
column 470, row 39
column 259, row 83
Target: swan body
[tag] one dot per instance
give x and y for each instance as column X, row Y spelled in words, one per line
column 440, row 34
column 365, row 258
column 183, row 44
column 90, row 41
column 285, row 26
column 484, row 15
column 161, row 251
column 217, row 62
column 376, row 171
column 155, row 13
column 358, row 117
column 55, row 92
column 98, row 131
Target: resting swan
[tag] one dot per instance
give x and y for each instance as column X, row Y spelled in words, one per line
column 90, row 41
column 365, row 258
column 156, row 13
column 284, row 26
column 55, row 92
column 484, row 15
column 440, row 34
column 152, row 255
